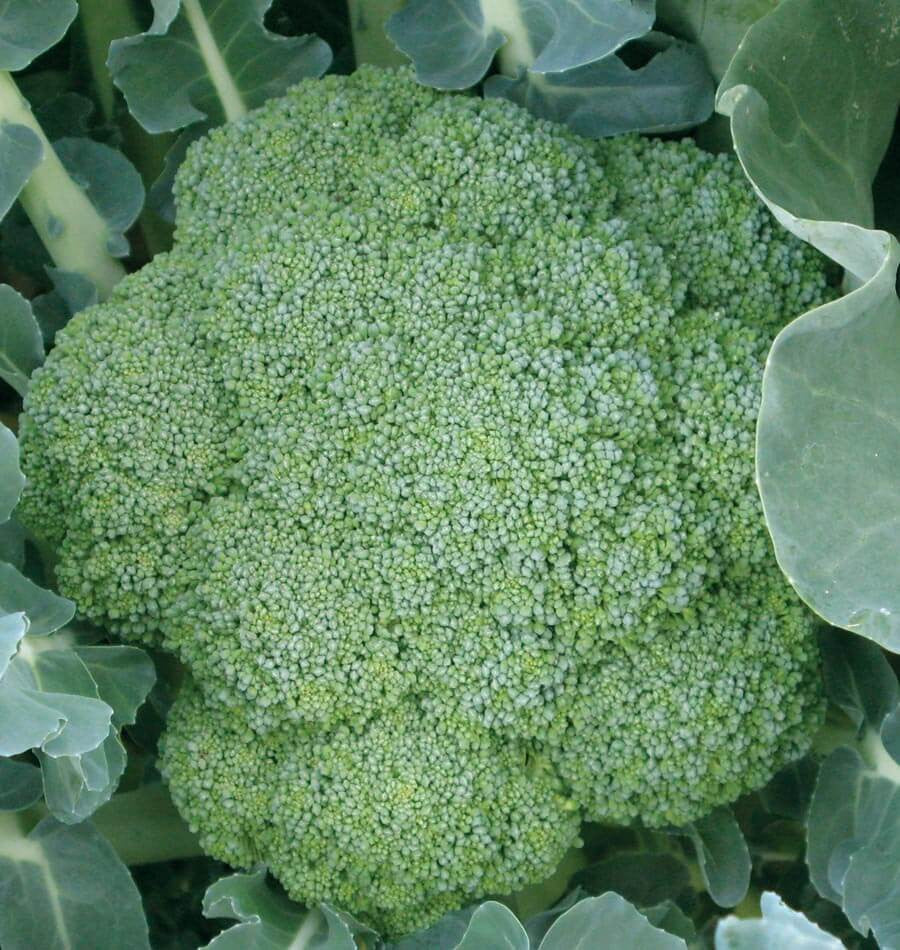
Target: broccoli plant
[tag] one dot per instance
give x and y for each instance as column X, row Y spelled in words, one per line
column 410, row 435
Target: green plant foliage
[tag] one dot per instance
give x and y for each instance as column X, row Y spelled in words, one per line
column 854, row 818
column 827, row 453
column 556, row 59
column 672, row 91
column 722, row 856
column 780, row 927
column 27, row 29
column 716, row 26
column 85, row 894
column 21, row 345
column 208, row 61
column 453, row 45
column 269, row 921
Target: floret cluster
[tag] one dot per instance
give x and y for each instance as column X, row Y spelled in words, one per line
column 429, row 451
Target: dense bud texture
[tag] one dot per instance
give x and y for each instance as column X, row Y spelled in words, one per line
column 429, row 451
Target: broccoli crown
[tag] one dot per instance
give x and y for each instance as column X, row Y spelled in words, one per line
column 429, row 451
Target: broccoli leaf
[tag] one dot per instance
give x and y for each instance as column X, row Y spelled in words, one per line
column 46, row 611
column 620, row 923
column 12, row 481
column 853, row 826
column 452, row 45
column 270, row 921
column 21, row 346
column 110, row 182
column 672, row 91
column 779, row 927
column 812, row 96
column 716, row 26
column 20, row 785
column 64, row 887
column 20, row 152
column 494, row 927
column 27, row 29
column 208, row 60
column 722, row 855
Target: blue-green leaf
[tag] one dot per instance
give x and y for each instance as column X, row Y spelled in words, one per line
column 853, row 835
column 21, row 152
column 13, row 628
column 270, row 921
column 12, row 481
column 716, row 26
column 452, row 45
column 63, row 887
column 111, row 183
column 494, row 927
column 75, row 786
column 123, row 676
column 28, row 28
column 46, row 611
column 620, row 924
column 49, row 700
column 673, row 91
column 71, row 292
column 858, row 678
column 21, row 346
column 780, row 927
column 208, row 60
column 812, row 95
column 20, row 785
column 722, row 855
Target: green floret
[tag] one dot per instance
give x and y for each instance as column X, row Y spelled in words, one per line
column 429, row 451
column 362, row 803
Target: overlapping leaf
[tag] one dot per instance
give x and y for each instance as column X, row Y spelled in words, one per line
column 812, row 95
column 208, row 61
column 64, row 887
column 853, row 827
column 779, row 927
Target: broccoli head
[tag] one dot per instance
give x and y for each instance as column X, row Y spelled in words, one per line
column 428, row 449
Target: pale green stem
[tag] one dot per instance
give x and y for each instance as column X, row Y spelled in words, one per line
column 228, row 93
column 517, row 52
column 69, row 226
column 370, row 41
column 103, row 21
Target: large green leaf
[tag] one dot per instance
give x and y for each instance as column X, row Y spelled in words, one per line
column 620, row 924
column 21, row 346
column 716, row 26
column 12, row 481
column 63, row 887
column 780, row 927
column 494, row 927
column 452, row 44
column 28, row 27
column 672, row 91
column 853, row 826
column 812, row 95
column 269, row 921
column 208, row 60
column 20, row 784
column 21, row 152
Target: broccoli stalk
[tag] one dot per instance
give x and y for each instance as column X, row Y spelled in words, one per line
column 70, row 227
column 370, row 41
